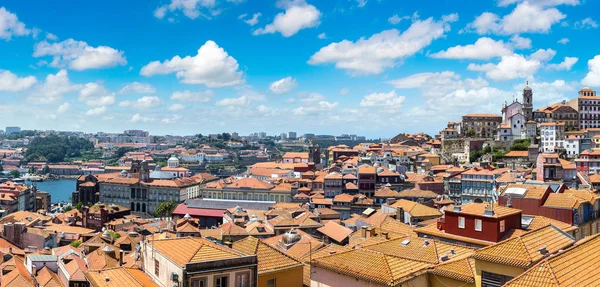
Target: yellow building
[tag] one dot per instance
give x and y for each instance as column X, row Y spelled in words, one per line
column 497, row 264
column 274, row 267
column 458, row 272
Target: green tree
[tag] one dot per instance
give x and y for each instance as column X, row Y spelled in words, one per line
column 79, row 206
column 76, row 243
column 15, row 173
column 114, row 235
column 165, row 208
column 470, row 132
column 226, row 137
column 68, row 208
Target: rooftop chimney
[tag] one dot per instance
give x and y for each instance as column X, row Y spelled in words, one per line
column 543, row 250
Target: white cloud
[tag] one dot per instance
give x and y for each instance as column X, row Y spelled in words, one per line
column 298, row 15
column 212, row 66
column 311, row 97
column 361, row 3
column 63, row 108
column 315, row 109
column 283, row 86
column 145, row 102
column 138, row 88
column 344, row 91
column 190, row 8
column 563, row 41
column 525, row 18
column 51, row 37
column 520, row 42
column 139, row 118
column 10, row 82
column 543, row 3
column 382, row 50
column 438, row 84
column 546, row 93
column 510, row 67
column 395, row 19
column 52, row 89
column 239, row 101
column 566, row 65
column 176, row 107
column 543, row 55
column 592, row 78
column 483, row 49
column 96, row 111
column 171, row 120
column 78, row 55
column 587, row 23
column 252, row 21
column 189, row 96
column 322, row 36
column 383, row 100
column 10, row 25
column 94, row 94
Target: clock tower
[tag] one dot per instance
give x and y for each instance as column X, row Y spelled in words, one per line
column 528, row 102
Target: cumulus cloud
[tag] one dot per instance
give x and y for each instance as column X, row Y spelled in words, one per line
column 520, row 42
column 239, row 101
column 551, row 92
column 52, row 89
column 139, row 118
column 10, row 82
column 382, row 50
column 592, row 78
column 211, row 66
column 252, row 21
column 510, row 67
column 565, row 65
column 543, row 55
column 94, row 94
column 563, row 41
column 386, row 101
column 525, row 18
column 483, row 49
column 171, row 120
column 137, row 88
column 96, row 111
column 344, row 91
column 437, row 84
column 283, row 86
column 587, row 23
column 10, row 25
column 78, row 55
column 298, row 15
column 63, row 108
column 395, row 19
column 543, row 3
column 322, row 36
column 311, row 97
column 190, row 8
column 176, row 107
column 145, row 102
column 189, row 96
column 315, row 109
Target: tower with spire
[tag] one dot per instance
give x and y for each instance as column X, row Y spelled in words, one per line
column 528, row 102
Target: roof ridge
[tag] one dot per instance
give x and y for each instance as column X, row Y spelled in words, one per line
column 388, row 269
column 520, row 240
column 134, row 277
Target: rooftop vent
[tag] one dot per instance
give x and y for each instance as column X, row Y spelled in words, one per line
column 488, row 212
column 543, row 250
column 444, row 258
column 457, row 208
column 405, row 242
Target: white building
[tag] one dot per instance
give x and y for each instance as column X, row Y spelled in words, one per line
column 571, row 144
column 551, row 135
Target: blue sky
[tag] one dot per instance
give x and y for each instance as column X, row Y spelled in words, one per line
column 370, row 67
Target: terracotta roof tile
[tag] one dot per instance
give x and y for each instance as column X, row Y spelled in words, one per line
column 189, row 249
column 335, row 231
column 269, row 259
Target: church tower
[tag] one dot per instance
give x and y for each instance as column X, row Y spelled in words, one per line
column 528, row 102
column 314, row 153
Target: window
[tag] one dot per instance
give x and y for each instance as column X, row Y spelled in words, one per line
column 461, row 222
column 156, row 267
column 222, row 281
column 502, row 226
column 271, row 283
column 199, row 282
column 242, row 279
column 493, row 280
column 478, row 224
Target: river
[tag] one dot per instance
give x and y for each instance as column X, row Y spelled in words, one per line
column 60, row 190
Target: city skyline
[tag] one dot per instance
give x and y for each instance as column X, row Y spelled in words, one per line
column 373, row 68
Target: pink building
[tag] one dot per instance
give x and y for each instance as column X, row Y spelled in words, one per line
column 295, row 157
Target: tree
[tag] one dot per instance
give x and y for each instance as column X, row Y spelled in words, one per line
column 76, row 243
column 68, row 208
column 79, row 206
column 470, row 132
column 165, row 208
column 226, row 137
column 114, row 235
column 1, row 168
column 15, row 173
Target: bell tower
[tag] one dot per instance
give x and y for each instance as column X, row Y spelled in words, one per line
column 528, row 102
